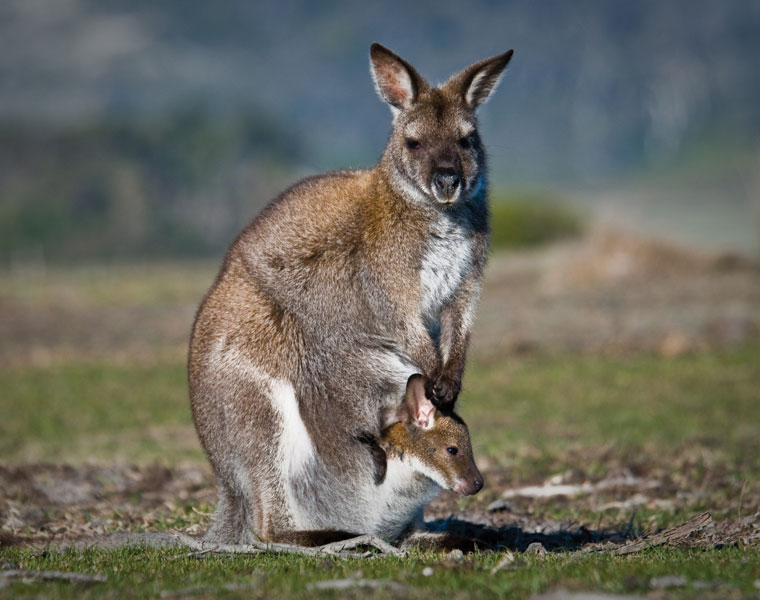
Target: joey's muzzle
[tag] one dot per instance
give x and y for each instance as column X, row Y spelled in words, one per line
column 470, row 484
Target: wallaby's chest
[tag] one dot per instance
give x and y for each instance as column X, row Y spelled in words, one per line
column 446, row 260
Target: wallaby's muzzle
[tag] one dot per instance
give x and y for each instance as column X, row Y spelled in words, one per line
column 446, row 183
column 470, row 484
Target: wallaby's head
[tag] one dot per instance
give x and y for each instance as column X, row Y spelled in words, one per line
column 434, row 152
column 435, row 443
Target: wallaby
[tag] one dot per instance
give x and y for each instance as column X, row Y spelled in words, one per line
column 433, row 444
column 330, row 300
column 427, row 450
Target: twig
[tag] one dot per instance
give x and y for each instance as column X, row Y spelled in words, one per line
column 741, row 498
column 671, row 536
column 31, row 576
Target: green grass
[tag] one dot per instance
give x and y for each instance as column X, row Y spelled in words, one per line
column 62, row 413
column 143, row 572
column 554, row 403
column 528, row 219
column 96, row 412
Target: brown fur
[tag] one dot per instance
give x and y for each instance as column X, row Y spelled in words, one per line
column 323, row 289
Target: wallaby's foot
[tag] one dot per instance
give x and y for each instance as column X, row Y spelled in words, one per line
column 363, row 540
column 307, row 545
column 222, row 535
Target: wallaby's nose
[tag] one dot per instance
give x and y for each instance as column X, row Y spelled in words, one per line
column 469, row 487
column 447, row 181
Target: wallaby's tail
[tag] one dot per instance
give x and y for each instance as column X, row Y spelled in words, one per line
column 318, row 537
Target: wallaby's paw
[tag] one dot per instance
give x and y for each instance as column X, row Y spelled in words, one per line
column 443, row 391
column 379, row 458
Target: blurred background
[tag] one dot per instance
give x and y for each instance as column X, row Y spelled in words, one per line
column 618, row 329
column 139, row 129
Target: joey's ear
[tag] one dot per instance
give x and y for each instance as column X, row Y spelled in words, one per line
column 421, row 409
column 390, row 416
column 476, row 83
column 396, row 81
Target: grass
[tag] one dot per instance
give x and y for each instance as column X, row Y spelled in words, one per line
column 691, row 420
column 144, row 572
column 67, row 412
column 529, row 219
column 98, row 412
column 554, row 403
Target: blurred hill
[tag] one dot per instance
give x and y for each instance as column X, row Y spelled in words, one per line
column 94, row 96
column 594, row 86
column 179, row 185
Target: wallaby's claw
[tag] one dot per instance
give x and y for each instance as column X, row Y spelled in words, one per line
column 443, row 391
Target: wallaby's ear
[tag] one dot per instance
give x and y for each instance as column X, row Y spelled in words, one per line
column 421, row 409
column 476, row 83
column 396, row 81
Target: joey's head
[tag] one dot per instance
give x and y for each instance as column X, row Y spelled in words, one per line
column 434, row 153
column 435, row 443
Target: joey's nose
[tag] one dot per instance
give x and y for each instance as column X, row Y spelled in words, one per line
column 470, row 487
column 447, row 181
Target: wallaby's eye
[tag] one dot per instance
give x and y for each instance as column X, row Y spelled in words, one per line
column 413, row 144
column 465, row 143
column 452, row 450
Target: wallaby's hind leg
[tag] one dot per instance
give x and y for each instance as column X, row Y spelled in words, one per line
column 237, row 423
column 230, row 524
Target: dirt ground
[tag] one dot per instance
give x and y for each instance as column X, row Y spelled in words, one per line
column 614, row 292
column 107, row 506
column 611, row 292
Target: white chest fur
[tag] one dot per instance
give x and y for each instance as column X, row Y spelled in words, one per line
column 399, row 499
column 447, row 258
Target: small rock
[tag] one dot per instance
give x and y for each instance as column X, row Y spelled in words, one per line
column 427, row 571
column 499, row 505
column 456, row 555
column 536, row 548
column 705, row 585
column 668, row 581
column 7, row 566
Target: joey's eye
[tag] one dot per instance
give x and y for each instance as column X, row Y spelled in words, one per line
column 465, row 143
column 413, row 144
column 452, row 450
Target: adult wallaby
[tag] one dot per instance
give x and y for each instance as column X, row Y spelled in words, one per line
column 339, row 291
